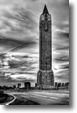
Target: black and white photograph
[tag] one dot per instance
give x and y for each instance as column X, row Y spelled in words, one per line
column 34, row 52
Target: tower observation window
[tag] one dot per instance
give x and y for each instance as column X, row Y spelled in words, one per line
column 46, row 26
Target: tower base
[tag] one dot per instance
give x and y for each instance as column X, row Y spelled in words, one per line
column 45, row 79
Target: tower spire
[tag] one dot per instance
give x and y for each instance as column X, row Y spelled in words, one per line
column 45, row 11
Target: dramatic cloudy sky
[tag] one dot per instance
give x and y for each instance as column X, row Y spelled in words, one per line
column 19, row 37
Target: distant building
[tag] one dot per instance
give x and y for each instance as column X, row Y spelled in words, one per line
column 61, row 85
column 14, row 86
column 27, row 85
column 67, row 85
column 56, row 85
column 35, row 84
column 19, row 85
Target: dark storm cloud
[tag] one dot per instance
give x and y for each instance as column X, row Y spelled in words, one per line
column 62, row 48
column 9, row 42
column 14, row 45
column 20, row 64
column 25, row 19
column 63, row 35
column 13, row 42
column 14, row 64
column 65, row 66
column 19, row 25
column 62, row 58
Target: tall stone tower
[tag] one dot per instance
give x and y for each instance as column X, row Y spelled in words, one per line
column 45, row 77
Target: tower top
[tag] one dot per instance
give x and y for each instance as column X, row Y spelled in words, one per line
column 45, row 10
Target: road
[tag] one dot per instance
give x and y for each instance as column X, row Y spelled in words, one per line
column 39, row 98
column 7, row 99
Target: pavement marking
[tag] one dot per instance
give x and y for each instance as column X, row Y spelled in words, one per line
column 51, row 93
column 11, row 101
column 40, row 95
column 45, row 96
